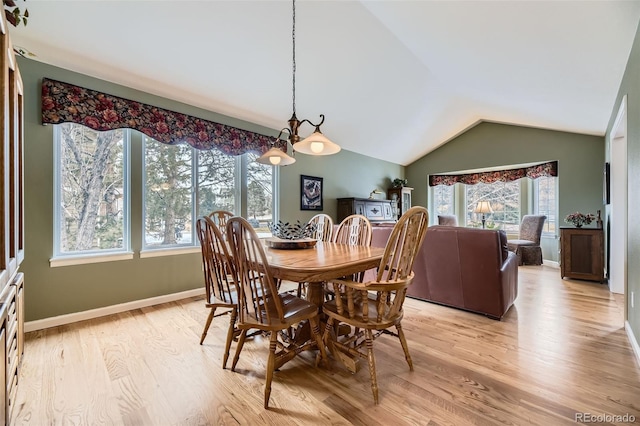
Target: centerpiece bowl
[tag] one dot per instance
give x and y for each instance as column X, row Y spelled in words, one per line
column 291, row 236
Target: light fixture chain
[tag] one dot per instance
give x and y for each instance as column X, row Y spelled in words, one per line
column 293, row 37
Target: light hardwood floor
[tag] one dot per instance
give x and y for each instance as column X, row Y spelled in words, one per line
column 560, row 350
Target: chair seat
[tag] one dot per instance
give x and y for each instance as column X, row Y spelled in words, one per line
column 330, row 308
column 213, row 300
column 295, row 310
column 513, row 245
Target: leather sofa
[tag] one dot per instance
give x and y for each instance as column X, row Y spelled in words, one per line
column 465, row 268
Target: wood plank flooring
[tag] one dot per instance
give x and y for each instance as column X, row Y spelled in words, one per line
column 560, row 350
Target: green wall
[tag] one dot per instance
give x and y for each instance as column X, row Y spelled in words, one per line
column 345, row 174
column 62, row 290
column 630, row 86
column 580, row 164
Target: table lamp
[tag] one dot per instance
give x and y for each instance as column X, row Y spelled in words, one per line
column 483, row 207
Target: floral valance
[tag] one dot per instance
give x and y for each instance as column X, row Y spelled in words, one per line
column 64, row 102
column 508, row 175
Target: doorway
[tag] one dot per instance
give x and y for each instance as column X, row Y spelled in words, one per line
column 618, row 208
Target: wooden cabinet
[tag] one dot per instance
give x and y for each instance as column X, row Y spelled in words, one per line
column 401, row 196
column 372, row 209
column 582, row 253
column 11, row 222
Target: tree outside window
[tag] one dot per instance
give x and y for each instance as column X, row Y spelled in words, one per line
column 180, row 183
column 504, row 198
column 90, row 198
column 167, row 197
column 545, row 201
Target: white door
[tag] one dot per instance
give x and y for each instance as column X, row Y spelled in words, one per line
column 618, row 209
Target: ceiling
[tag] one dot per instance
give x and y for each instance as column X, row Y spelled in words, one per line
column 395, row 79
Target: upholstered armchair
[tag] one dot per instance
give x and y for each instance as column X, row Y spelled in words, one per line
column 447, row 220
column 527, row 246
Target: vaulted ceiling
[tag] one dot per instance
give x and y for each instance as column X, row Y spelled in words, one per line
column 395, row 79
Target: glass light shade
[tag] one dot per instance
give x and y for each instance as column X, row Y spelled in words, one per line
column 316, row 144
column 483, row 207
column 276, row 157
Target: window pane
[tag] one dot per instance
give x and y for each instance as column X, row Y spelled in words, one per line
column 259, row 195
column 443, row 200
column 545, row 201
column 167, row 194
column 90, row 189
column 504, row 198
column 216, row 182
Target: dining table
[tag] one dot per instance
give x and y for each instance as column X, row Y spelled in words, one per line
column 323, row 262
column 317, row 265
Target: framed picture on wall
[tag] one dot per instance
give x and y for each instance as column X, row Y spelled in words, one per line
column 606, row 190
column 310, row 193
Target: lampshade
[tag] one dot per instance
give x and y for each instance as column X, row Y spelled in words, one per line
column 483, row 207
column 276, row 157
column 316, row 144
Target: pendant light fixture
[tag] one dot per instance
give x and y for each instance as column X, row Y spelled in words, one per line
column 275, row 156
column 316, row 143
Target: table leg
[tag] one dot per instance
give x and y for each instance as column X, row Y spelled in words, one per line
column 315, row 294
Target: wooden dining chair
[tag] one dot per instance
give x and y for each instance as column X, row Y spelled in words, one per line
column 324, row 227
column 262, row 307
column 323, row 232
column 377, row 304
column 354, row 230
column 219, row 279
column 220, row 218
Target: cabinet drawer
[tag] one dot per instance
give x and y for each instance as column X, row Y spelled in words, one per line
column 374, row 211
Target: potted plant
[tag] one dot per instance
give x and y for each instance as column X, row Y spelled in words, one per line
column 398, row 183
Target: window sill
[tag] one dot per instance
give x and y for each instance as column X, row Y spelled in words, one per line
column 86, row 259
column 168, row 252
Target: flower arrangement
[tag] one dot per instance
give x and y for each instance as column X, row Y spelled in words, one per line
column 578, row 219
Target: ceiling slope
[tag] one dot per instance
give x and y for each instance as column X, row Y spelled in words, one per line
column 395, row 79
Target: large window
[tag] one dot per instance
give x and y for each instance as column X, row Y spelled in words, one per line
column 443, row 200
column 545, row 202
column 91, row 193
column 259, row 194
column 182, row 183
column 508, row 201
column 168, row 194
column 179, row 184
column 504, row 199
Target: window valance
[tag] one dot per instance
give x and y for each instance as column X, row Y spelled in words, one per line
column 64, row 102
column 508, row 175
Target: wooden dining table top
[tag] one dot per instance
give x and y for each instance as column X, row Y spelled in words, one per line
column 323, row 262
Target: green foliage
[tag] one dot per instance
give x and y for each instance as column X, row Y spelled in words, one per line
column 13, row 13
column 397, row 182
column 168, row 191
column 216, row 182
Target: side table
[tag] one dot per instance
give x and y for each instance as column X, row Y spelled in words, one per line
column 582, row 253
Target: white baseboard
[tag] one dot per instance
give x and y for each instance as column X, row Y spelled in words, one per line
column 108, row 310
column 551, row 263
column 632, row 340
